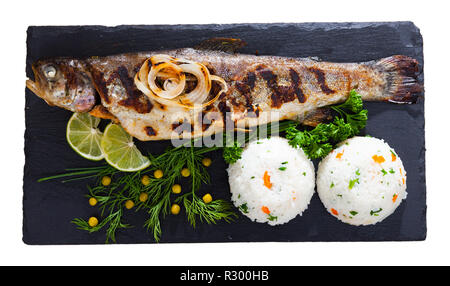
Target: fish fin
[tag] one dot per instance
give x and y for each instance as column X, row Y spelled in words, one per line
column 228, row 45
column 101, row 112
column 401, row 76
column 317, row 116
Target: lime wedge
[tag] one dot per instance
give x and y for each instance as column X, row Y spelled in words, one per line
column 84, row 137
column 120, row 151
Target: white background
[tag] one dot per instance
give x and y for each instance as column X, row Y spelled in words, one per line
column 432, row 17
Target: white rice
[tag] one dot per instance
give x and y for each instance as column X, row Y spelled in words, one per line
column 362, row 181
column 292, row 181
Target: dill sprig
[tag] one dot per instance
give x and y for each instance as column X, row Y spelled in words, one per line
column 196, row 207
column 83, row 173
column 206, row 212
column 126, row 186
column 114, row 220
column 172, row 162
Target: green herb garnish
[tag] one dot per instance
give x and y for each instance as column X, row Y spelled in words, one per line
column 353, row 112
column 282, row 168
column 375, row 213
column 352, row 183
column 233, row 153
column 113, row 220
column 318, row 142
column 244, row 208
column 353, row 213
column 271, row 217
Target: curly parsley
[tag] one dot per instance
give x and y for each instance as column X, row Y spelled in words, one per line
column 233, row 153
column 318, row 142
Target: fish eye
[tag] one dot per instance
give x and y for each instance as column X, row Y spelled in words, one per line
column 50, row 72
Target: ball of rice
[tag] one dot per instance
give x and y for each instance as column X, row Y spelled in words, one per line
column 272, row 182
column 362, row 181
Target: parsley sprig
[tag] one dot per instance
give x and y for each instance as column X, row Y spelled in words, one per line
column 318, row 142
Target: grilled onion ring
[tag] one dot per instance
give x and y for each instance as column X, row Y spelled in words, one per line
column 176, row 89
column 173, row 71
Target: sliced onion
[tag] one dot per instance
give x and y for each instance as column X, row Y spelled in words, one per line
column 224, row 89
column 141, row 85
column 173, row 92
column 175, row 73
column 201, row 91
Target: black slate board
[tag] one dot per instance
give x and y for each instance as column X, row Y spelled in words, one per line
column 49, row 207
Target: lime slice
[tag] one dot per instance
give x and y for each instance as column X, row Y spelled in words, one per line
column 84, row 137
column 120, row 151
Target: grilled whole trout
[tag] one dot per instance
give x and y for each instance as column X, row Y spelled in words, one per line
column 261, row 89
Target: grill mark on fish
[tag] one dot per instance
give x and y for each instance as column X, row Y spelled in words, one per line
column 202, row 117
column 181, row 126
column 296, row 84
column 135, row 99
column 234, row 102
column 205, row 126
column 209, row 108
column 150, row 131
column 282, row 94
column 176, row 125
column 245, row 87
column 71, row 77
column 253, row 112
column 222, row 96
column 100, row 85
column 348, row 79
column 226, row 114
column 320, row 76
column 271, row 81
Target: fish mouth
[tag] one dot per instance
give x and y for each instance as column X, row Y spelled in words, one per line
column 34, row 85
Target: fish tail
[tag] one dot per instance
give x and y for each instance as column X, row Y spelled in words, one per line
column 402, row 84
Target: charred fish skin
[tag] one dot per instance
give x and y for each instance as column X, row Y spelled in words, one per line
column 65, row 83
column 261, row 89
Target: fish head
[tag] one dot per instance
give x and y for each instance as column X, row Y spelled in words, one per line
column 65, row 83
